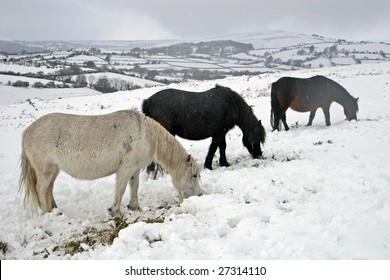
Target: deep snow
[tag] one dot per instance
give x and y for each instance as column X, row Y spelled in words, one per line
column 318, row 193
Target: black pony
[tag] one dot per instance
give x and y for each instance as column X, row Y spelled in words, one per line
column 305, row 95
column 199, row 115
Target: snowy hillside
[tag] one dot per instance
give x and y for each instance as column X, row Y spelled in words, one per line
column 276, row 39
column 318, row 192
column 182, row 61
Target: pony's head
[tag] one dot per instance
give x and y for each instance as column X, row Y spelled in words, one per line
column 188, row 181
column 351, row 110
column 253, row 138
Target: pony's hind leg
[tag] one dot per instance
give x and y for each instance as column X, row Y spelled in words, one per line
column 275, row 109
column 284, row 120
column 210, row 155
column 45, row 184
column 276, row 121
column 51, row 203
column 134, row 183
column 279, row 116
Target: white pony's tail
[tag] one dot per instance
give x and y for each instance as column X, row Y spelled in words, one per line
column 27, row 183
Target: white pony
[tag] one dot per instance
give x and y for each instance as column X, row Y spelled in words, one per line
column 91, row 147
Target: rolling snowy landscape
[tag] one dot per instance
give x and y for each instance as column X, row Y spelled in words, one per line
column 317, row 193
column 150, row 63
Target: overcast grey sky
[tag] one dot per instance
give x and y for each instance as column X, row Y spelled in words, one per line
column 188, row 19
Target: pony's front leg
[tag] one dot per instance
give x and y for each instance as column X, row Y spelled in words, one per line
column 134, row 183
column 122, row 177
column 327, row 115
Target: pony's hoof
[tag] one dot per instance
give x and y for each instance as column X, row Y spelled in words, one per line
column 131, row 208
column 208, row 167
column 115, row 214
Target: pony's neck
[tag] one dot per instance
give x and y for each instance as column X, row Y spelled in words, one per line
column 166, row 150
column 342, row 97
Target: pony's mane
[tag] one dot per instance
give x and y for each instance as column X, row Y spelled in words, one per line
column 247, row 119
column 218, row 86
column 238, row 98
column 246, row 116
column 166, row 150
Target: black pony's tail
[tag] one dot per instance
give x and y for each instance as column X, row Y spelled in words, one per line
column 146, row 107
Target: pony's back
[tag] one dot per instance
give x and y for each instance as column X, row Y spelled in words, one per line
column 95, row 143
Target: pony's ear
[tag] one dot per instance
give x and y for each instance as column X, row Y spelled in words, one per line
column 357, row 99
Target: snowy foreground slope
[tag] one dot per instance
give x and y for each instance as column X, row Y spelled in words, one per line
column 318, row 193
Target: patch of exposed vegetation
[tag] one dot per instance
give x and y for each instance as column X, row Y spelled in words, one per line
column 93, row 237
column 323, row 142
column 285, row 158
column 154, row 220
column 4, row 248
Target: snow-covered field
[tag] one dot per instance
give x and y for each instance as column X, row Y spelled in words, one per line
column 129, row 79
column 318, row 192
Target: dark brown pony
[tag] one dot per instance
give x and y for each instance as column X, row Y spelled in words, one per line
column 303, row 95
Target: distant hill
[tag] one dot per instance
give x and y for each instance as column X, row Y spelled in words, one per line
column 215, row 48
column 274, row 39
column 268, row 39
column 239, row 41
column 12, row 47
column 16, row 47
